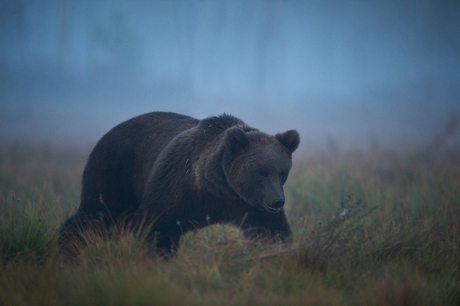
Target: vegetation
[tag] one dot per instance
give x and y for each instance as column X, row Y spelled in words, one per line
column 369, row 228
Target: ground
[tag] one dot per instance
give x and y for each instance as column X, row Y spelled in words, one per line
column 369, row 227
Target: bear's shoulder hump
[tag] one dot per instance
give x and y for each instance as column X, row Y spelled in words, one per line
column 219, row 123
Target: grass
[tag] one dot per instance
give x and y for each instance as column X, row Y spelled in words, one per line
column 369, row 228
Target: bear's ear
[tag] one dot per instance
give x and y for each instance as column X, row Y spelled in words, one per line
column 289, row 139
column 235, row 139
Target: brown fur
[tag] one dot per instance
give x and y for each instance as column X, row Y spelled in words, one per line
column 185, row 174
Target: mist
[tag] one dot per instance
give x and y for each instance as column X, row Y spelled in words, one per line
column 343, row 73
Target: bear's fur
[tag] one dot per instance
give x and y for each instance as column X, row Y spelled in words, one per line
column 183, row 174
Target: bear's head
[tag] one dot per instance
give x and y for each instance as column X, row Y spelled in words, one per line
column 256, row 165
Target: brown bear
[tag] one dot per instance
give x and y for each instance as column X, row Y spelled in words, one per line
column 183, row 174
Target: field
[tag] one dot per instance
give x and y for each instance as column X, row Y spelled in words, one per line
column 375, row 227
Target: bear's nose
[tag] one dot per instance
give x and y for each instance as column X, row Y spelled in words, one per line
column 278, row 203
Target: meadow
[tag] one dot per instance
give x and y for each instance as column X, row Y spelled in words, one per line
column 375, row 227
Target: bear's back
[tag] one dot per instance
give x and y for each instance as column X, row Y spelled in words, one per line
column 119, row 164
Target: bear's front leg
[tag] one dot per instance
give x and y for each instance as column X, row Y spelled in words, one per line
column 266, row 225
column 164, row 245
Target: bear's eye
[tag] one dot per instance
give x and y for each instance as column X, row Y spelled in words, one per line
column 262, row 173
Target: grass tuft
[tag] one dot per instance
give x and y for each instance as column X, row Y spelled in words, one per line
column 372, row 228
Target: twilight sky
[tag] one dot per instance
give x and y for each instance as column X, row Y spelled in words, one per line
column 359, row 73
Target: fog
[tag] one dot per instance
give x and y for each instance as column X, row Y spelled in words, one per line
column 343, row 73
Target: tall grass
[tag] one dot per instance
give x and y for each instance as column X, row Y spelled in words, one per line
column 372, row 228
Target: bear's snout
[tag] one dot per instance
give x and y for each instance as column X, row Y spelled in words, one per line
column 278, row 203
column 275, row 205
